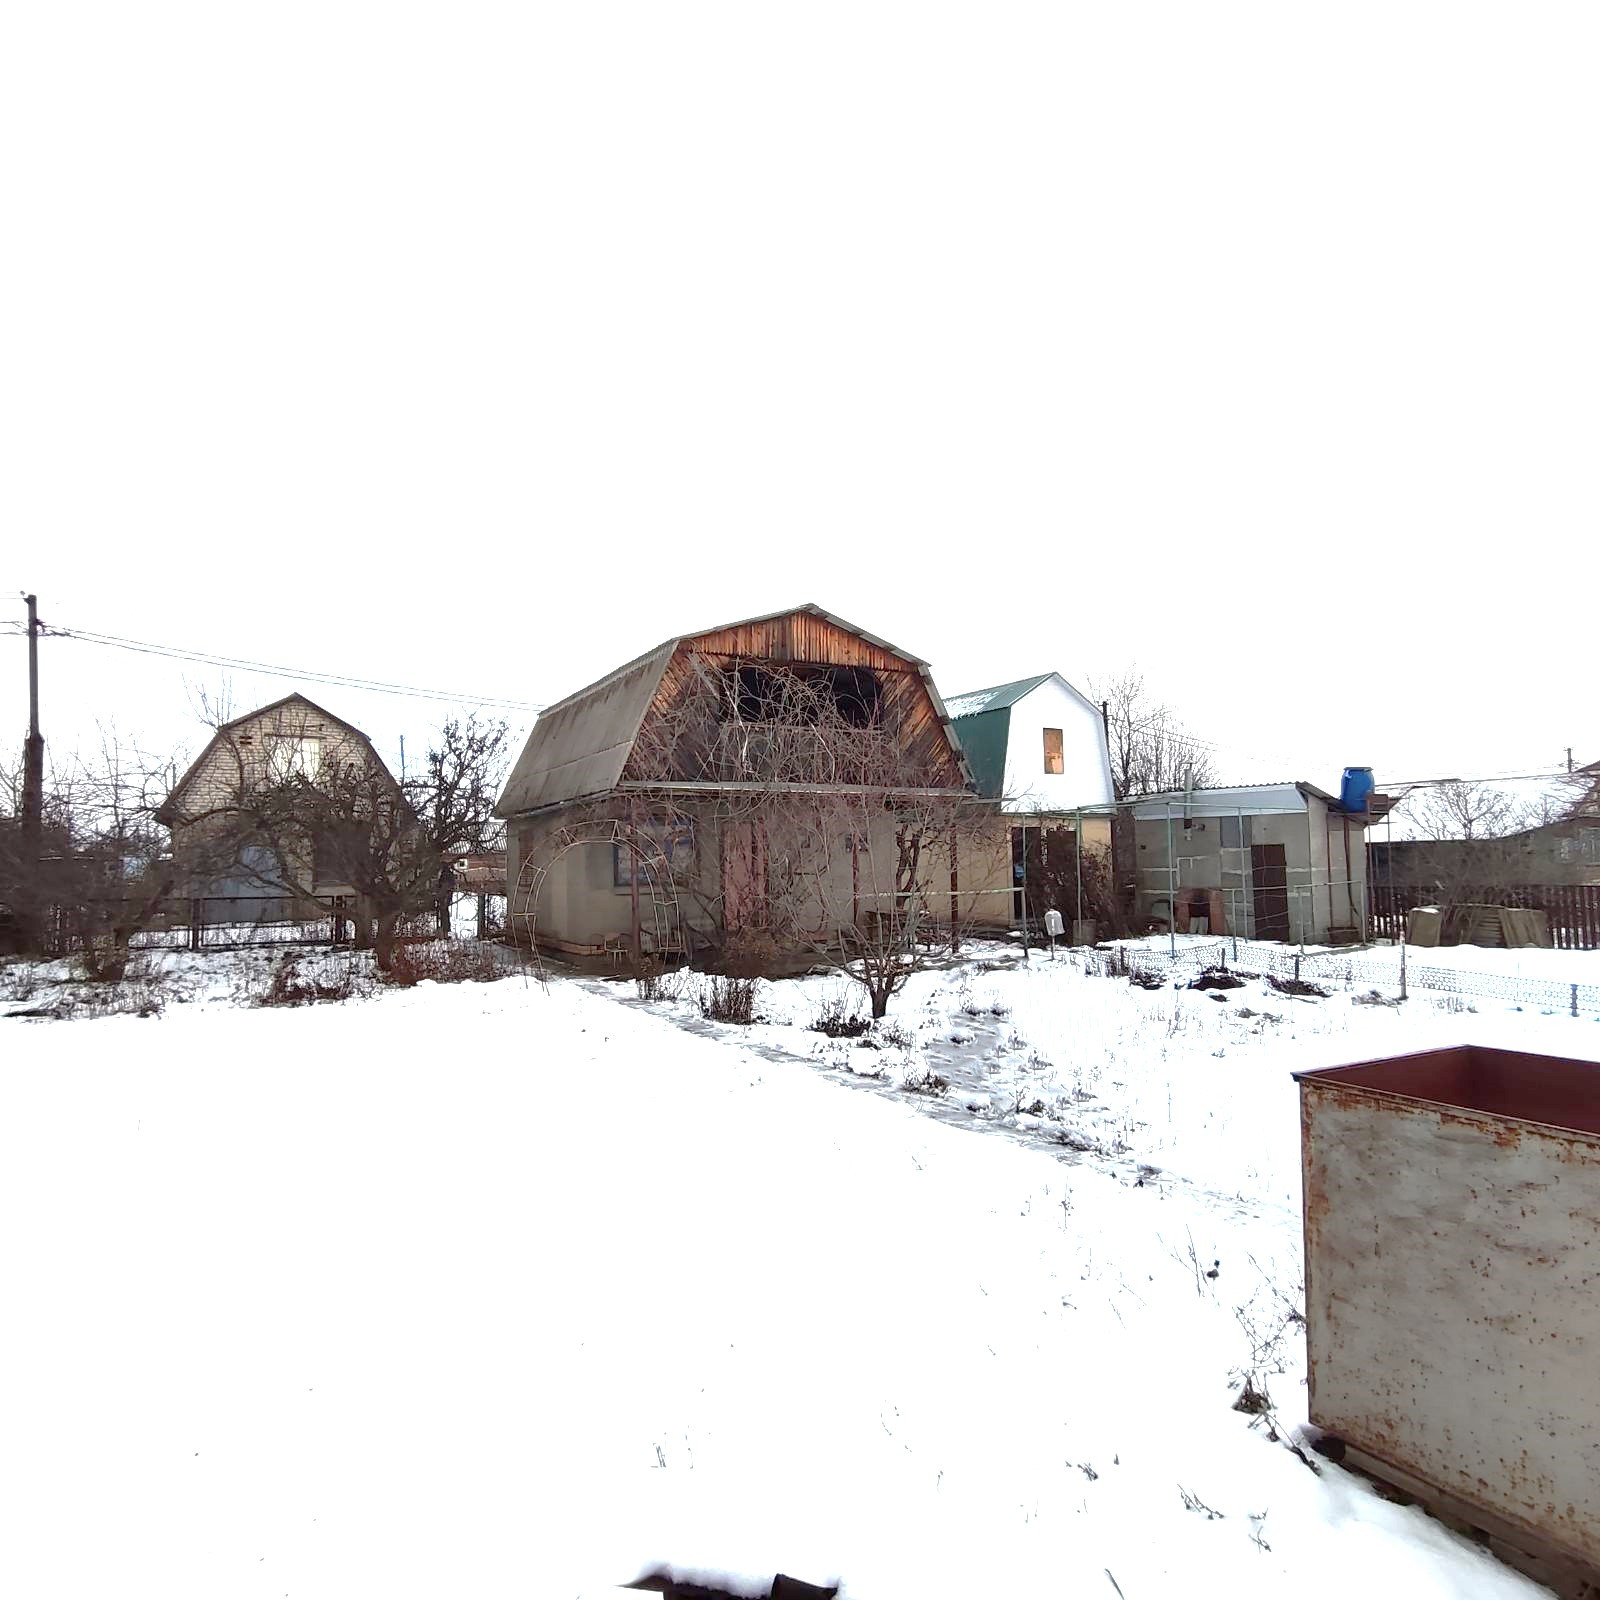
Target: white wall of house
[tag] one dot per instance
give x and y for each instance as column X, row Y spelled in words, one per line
column 1085, row 776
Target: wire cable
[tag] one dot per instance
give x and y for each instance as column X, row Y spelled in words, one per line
column 299, row 674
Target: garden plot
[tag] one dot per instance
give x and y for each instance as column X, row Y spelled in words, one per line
column 1067, row 1053
column 514, row 1290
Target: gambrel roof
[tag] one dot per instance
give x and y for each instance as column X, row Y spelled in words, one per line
column 580, row 746
column 170, row 809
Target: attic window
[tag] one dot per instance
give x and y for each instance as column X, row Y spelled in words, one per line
column 1052, row 751
column 247, row 738
column 806, row 695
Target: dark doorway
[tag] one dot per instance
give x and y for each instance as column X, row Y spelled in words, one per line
column 1270, row 891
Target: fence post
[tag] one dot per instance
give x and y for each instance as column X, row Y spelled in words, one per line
column 194, row 924
column 1574, row 999
column 1172, row 891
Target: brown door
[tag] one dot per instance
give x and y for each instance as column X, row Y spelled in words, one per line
column 1269, row 878
column 744, row 875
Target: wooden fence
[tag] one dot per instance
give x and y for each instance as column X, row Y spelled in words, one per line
column 1573, row 908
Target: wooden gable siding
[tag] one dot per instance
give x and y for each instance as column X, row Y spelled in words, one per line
column 805, row 640
column 800, row 639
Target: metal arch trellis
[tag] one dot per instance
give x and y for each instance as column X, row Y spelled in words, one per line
column 536, row 866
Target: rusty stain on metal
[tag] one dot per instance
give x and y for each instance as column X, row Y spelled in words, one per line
column 1452, row 1222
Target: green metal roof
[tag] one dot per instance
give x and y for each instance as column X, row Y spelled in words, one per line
column 976, row 701
column 983, row 736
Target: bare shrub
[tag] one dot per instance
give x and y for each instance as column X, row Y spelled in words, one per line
column 979, row 1006
column 891, row 1035
column 923, row 1080
column 291, row 986
column 438, row 961
column 838, row 1017
column 728, row 999
column 1193, row 1502
column 104, row 961
column 1253, row 1401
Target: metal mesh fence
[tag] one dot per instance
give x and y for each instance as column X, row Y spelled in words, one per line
column 1333, row 969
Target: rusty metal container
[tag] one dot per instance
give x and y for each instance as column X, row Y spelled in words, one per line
column 1452, row 1222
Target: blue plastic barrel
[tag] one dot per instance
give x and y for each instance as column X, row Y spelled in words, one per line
column 1356, row 787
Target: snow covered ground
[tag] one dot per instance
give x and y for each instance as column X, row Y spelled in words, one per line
column 493, row 1289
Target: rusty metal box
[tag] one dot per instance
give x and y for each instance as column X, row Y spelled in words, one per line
column 1452, row 1223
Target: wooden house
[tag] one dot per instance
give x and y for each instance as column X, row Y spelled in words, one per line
column 787, row 773
column 219, row 852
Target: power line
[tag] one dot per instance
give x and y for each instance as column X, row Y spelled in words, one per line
column 304, row 675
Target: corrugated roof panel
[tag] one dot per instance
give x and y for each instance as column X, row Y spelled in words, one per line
column 983, row 738
column 976, row 701
column 579, row 747
column 1251, row 798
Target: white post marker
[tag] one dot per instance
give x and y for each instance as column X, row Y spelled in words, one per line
column 1055, row 927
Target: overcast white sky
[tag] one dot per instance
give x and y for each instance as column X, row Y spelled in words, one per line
column 482, row 347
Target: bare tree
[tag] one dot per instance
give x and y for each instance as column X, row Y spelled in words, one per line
column 98, row 873
column 357, row 828
column 1463, row 809
column 1468, row 839
column 1149, row 747
column 300, row 817
column 453, row 800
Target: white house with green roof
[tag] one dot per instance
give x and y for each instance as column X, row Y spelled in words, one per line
column 1038, row 748
column 1036, row 745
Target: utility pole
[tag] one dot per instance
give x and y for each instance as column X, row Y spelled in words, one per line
column 1569, row 758
column 33, row 756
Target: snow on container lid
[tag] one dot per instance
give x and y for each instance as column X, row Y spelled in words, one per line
column 1556, row 1091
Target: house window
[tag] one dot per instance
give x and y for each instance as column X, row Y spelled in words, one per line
column 802, row 696
column 672, row 837
column 294, row 757
column 1590, row 846
column 1052, row 750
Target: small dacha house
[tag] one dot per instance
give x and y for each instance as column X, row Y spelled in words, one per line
column 1037, row 749
column 790, row 777
column 286, row 811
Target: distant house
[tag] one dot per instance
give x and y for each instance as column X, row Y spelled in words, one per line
column 1263, row 861
column 684, row 796
column 478, row 872
column 1037, row 748
column 219, row 853
column 1552, row 855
